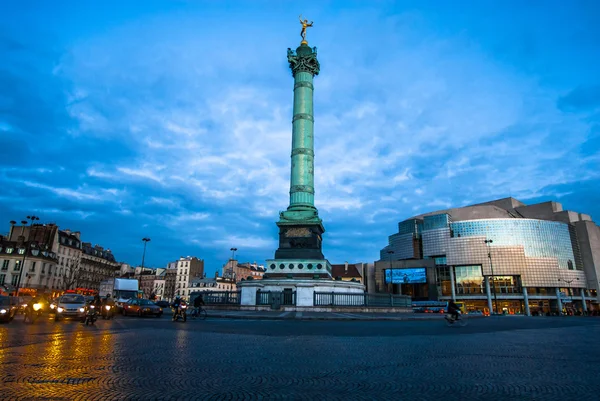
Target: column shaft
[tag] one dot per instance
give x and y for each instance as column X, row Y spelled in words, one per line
column 526, row 300
column 558, row 301
column 584, row 306
column 302, row 171
column 452, row 284
column 488, row 292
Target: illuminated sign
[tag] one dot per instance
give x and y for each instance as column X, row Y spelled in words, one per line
column 406, row 276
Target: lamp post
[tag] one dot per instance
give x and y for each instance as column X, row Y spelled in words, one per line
column 25, row 248
column 568, row 283
column 12, row 227
column 233, row 250
column 488, row 242
column 146, row 240
column 391, row 271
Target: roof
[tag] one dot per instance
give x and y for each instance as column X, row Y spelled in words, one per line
column 340, row 271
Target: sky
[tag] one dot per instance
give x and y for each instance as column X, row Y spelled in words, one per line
column 172, row 119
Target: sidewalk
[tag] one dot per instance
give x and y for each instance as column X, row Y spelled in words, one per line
column 279, row 315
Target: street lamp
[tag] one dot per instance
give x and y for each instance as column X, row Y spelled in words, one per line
column 12, row 226
column 25, row 248
column 146, row 240
column 488, row 242
column 568, row 281
column 233, row 250
column 391, row 272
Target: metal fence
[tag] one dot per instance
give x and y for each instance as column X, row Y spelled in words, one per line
column 352, row 299
column 218, row 298
column 276, row 298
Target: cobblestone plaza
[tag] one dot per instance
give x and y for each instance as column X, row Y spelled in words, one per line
column 493, row 358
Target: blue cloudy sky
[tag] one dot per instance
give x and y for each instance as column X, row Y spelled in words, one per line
column 172, row 119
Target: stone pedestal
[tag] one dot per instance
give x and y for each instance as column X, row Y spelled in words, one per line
column 248, row 292
column 305, row 289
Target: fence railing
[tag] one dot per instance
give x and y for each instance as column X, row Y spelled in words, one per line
column 352, row 299
column 284, row 298
column 218, row 297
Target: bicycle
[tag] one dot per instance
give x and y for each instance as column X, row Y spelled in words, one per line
column 461, row 321
column 199, row 313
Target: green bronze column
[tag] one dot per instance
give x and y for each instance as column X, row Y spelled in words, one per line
column 300, row 228
column 304, row 66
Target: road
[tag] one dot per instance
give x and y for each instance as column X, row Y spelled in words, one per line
column 130, row 358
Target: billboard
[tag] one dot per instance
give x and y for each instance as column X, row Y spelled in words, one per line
column 406, row 276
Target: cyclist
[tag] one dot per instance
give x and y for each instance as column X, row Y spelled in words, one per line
column 453, row 310
column 198, row 303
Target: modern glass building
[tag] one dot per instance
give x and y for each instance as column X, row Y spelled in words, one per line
column 501, row 256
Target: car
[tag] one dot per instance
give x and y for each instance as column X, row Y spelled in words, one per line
column 476, row 313
column 141, row 307
column 163, row 304
column 70, row 305
column 9, row 307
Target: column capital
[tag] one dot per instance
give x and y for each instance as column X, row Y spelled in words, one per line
column 304, row 59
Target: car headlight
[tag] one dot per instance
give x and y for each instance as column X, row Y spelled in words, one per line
column 81, row 310
column 37, row 307
column 92, row 306
column 107, row 307
column 2, row 311
column 183, row 306
column 52, row 306
column 59, row 309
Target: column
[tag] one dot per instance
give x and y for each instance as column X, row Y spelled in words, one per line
column 583, row 299
column 304, row 66
column 558, row 301
column 526, row 300
column 488, row 292
column 452, row 283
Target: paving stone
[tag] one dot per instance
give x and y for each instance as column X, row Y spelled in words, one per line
column 131, row 359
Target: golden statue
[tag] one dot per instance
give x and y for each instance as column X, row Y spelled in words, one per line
column 305, row 25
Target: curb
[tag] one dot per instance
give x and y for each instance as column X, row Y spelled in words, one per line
column 407, row 318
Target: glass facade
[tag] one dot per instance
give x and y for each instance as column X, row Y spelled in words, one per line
column 436, row 221
column 539, row 238
column 469, row 280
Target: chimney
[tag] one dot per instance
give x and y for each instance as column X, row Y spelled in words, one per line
column 68, row 231
column 346, row 268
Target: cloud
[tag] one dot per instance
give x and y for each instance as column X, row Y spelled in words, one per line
column 146, row 125
column 582, row 98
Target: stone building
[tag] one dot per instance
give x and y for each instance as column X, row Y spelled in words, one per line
column 170, row 281
column 69, row 258
column 187, row 269
column 28, row 260
column 146, row 281
column 348, row 272
column 53, row 261
column 242, row 271
column 97, row 264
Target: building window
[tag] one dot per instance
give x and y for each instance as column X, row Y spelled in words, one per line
column 32, row 269
column 17, row 265
column 469, row 280
column 14, row 279
column 2, row 279
column 21, row 251
column 5, row 264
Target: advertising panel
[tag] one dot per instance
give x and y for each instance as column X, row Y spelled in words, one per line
column 406, row 276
